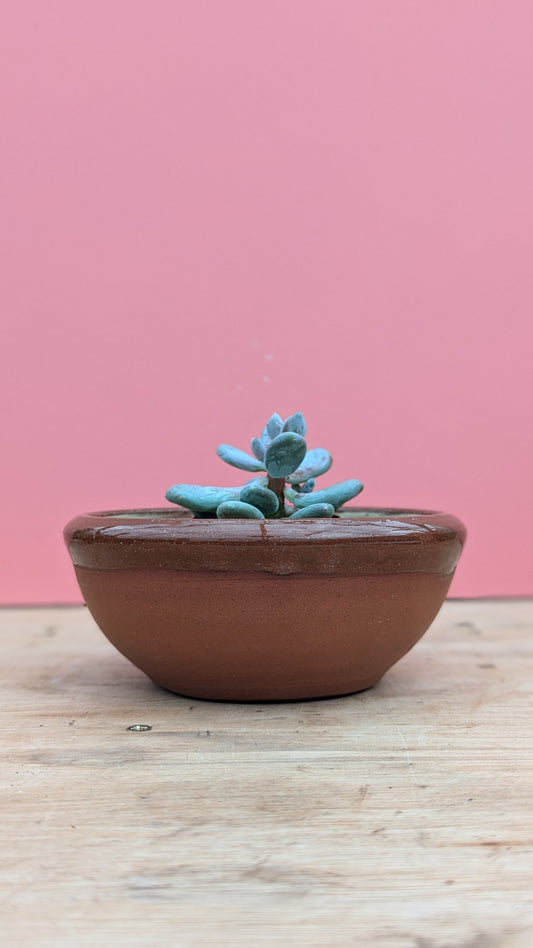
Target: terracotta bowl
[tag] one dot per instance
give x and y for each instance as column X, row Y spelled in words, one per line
column 264, row 610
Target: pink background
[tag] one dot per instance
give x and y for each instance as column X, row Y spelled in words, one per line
column 213, row 210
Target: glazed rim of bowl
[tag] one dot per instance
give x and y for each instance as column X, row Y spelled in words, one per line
column 180, row 513
column 360, row 540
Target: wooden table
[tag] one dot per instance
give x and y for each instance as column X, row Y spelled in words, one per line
column 401, row 817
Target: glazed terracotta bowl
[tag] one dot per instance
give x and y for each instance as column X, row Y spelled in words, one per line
column 263, row 610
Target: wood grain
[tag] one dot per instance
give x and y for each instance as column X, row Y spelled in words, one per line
column 401, row 817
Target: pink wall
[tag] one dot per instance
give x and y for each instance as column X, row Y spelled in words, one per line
column 213, row 210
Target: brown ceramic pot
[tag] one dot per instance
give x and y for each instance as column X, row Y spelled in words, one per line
column 250, row 610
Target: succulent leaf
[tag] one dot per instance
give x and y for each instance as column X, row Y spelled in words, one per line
column 261, row 497
column 284, row 454
column 295, row 423
column 238, row 458
column 262, row 479
column 316, row 462
column 291, row 493
column 258, row 448
column 274, row 426
column 337, row 494
column 237, row 510
column 313, row 510
column 202, row 499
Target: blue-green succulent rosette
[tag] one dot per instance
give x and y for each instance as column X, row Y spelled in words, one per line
column 285, row 483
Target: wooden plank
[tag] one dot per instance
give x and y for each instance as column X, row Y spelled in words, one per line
column 398, row 817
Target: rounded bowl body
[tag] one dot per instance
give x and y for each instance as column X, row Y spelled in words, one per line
column 267, row 610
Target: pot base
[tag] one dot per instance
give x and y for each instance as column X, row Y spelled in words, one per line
column 278, row 638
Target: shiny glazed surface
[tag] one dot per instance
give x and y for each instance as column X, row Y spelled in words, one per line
column 360, row 540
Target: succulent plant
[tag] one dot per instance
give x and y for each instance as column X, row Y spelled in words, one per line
column 284, row 488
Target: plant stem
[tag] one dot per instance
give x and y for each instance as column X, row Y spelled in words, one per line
column 277, row 486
